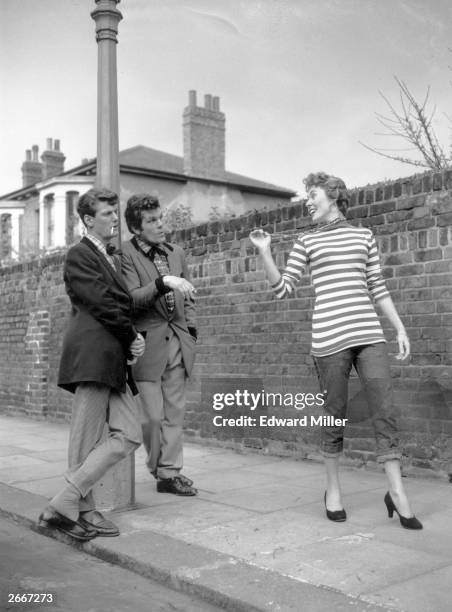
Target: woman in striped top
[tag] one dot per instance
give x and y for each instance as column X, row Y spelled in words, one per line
column 345, row 271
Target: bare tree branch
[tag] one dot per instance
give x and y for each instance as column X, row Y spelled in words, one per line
column 403, row 160
column 414, row 124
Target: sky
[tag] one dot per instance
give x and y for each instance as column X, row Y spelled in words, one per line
column 298, row 80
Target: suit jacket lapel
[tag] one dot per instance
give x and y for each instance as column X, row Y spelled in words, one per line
column 171, row 261
column 153, row 273
column 113, row 272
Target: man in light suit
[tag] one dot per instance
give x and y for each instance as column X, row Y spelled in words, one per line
column 99, row 339
column 157, row 278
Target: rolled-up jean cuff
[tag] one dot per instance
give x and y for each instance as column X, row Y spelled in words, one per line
column 389, row 456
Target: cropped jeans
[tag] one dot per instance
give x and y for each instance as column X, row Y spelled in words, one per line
column 372, row 366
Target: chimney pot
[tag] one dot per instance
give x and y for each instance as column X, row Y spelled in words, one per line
column 52, row 159
column 216, row 103
column 31, row 167
column 208, row 101
column 192, row 97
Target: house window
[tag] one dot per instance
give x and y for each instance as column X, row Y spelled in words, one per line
column 71, row 216
column 49, row 220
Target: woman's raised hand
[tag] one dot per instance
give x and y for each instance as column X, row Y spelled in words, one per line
column 260, row 239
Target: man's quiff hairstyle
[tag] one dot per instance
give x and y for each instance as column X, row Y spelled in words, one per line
column 136, row 205
column 334, row 188
column 87, row 202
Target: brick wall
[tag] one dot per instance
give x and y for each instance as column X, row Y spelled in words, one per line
column 250, row 340
column 33, row 313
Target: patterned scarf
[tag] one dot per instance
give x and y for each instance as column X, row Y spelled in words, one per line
column 160, row 259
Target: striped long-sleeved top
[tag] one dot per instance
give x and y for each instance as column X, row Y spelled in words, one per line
column 345, row 271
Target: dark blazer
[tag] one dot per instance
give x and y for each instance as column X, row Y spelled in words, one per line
column 100, row 328
column 151, row 313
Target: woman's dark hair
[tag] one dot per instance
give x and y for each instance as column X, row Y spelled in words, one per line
column 334, row 188
column 136, row 205
column 88, row 201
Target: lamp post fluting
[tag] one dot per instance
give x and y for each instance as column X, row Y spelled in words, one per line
column 107, row 18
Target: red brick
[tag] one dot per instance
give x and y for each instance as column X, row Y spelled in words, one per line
column 379, row 209
column 409, row 270
column 444, row 220
column 420, row 307
column 436, row 280
column 396, row 260
column 358, row 212
column 438, row 266
column 441, row 206
column 423, row 223
column 428, row 254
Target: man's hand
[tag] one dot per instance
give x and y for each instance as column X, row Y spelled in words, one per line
column 404, row 345
column 177, row 283
column 260, row 239
column 137, row 346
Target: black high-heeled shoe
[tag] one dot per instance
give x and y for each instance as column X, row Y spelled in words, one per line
column 338, row 516
column 408, row 523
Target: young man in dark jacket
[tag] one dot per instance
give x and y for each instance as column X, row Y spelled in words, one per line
column 99, row 339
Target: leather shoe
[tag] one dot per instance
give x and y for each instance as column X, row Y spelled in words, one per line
column 50, row 518
column 338, row 516
column 185, row 480
column 176, row 486
column 95, row 521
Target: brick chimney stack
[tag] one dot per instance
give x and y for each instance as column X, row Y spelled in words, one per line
column 204, row 138
column 32, row 167
column 52, row 159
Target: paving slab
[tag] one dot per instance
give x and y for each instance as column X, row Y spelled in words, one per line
column 354, row 563
column 266, row 536
column 15, row 461
column 423, row 593
column 45, row 487
column 27, row 472
column 263, row 498
column 53, row 456
column 179, row 519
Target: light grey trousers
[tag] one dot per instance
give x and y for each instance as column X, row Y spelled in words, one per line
column 163, row 404
column 90, row 454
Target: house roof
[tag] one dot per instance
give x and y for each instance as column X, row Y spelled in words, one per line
column 152, row 162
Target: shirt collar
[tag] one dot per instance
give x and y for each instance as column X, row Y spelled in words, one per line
column 144, row 246
column 150, row 249
column 97, row 242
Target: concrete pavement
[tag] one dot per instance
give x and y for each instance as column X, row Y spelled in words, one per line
column 256, row 537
